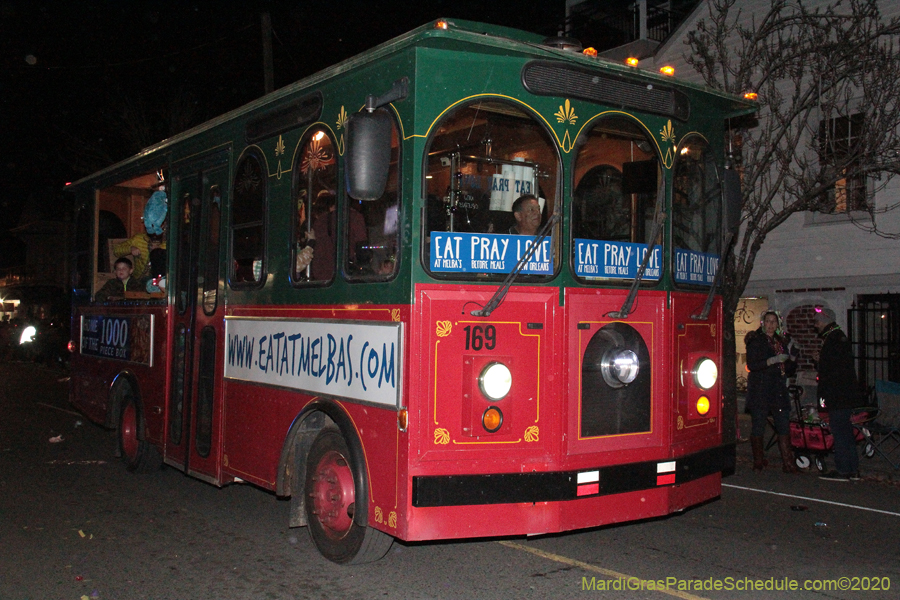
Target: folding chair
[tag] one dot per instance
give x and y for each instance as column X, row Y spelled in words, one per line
column 882, row 434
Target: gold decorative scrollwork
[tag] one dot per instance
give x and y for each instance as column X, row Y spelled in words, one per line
column 443, row 328
column 441, row 436
column 566, row 114
column 532, row 434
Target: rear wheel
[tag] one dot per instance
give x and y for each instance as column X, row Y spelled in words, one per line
column 139, row 456
column 332, row 494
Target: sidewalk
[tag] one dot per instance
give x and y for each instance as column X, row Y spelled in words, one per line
column 871, row 469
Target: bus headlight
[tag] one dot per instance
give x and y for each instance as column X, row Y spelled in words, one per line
column 706, row 373
column 27, row 335
column 619, row 367
column 495, row 381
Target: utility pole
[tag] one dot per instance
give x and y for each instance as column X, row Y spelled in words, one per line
column 266, row 21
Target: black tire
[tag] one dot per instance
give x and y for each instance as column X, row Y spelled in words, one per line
column 332, row 490
column 139, row 456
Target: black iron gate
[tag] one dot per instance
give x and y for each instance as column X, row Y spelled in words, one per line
column 873, row 326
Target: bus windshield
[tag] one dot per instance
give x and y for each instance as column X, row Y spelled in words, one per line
column 696, row 213
column 617, row 174
column 491, row 180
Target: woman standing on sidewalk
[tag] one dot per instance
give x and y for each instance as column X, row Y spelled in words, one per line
column 771, row 360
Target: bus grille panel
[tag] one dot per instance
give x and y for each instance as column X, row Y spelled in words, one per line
column 551, row 79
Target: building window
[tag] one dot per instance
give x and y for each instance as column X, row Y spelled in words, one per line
column 839, row 152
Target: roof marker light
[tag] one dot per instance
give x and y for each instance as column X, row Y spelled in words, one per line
column 631, row 61
column 667, row 70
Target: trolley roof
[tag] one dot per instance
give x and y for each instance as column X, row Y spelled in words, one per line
column 459, row 35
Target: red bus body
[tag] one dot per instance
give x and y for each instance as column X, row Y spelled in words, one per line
column 231, row 379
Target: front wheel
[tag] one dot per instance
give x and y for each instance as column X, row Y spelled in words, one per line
column 332, row 493
column 139, row 456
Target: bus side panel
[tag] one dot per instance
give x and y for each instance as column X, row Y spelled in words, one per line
column 99, row 359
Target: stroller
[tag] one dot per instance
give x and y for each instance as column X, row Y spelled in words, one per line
column 811, row 436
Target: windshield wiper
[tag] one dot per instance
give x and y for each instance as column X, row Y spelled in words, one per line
column 498, row 296
column 657, row 230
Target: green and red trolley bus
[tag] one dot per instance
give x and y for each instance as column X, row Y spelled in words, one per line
column 350, row 318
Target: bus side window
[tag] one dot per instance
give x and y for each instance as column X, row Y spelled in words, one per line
column 315, row 206
column 247, row 222
column 371, row 228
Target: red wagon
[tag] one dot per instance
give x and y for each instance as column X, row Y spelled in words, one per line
column 811, row 435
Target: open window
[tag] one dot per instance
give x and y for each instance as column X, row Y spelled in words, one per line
column 120, row 235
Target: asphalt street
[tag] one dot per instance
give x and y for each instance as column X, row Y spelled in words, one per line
column 75, row 525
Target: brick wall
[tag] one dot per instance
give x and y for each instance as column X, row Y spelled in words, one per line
column 799, row 324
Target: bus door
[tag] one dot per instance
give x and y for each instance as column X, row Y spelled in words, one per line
column 194, row 436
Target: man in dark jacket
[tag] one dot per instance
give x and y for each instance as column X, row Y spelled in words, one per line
column 839, row 393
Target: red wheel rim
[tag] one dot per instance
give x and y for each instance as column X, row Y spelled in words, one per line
column 333, row 494
column 128, row 428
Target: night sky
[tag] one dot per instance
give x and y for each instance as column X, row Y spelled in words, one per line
column 86, row 83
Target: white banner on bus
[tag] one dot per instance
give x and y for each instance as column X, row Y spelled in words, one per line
column 360, row 361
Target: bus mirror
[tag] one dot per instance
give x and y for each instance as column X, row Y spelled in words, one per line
column 368, row 154
column 731, row 195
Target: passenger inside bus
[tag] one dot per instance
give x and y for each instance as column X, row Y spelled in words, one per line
column 114, row 289
column 527, row 212
column 148, row 248
column 319, row 253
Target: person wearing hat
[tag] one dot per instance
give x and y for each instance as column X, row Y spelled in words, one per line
column 771, row 359
column 838, row 392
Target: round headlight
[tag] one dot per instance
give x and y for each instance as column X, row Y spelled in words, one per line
column 706, row 373
column 619, row 367
column 495, row 381
column 27, row 335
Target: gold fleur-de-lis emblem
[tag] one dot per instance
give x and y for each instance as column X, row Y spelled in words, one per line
column 566, row 114
column 441, row 436
column 668, row 133
column 443, row 328
column 342, row 118
column 532, row 434
column 279, row 147
column 379, row 516
column 392, row 520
